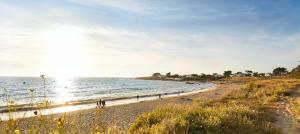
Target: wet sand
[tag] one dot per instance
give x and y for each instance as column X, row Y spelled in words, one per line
column 121, row 116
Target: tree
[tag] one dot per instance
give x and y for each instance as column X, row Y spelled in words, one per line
column 295, row 73
column 248, row 73
column 280, row 71
column 168, row 74
column 255, row 74
column 176, row 76
column 296, row 69
column 227, row 73
column 156, row 75
column 203, row 75
column 194, row 75
column 238, row 74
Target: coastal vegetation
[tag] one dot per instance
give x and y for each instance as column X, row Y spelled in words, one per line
column 210, row 117
column 227, row 73
column 244, row 111
column 295, row 73
column 248, row 110
column 277, row 72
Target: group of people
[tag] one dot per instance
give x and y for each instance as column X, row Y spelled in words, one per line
column 101, row 103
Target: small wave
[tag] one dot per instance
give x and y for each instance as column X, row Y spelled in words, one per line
column 96, row 87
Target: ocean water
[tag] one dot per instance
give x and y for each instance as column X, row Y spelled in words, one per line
column 23, row 90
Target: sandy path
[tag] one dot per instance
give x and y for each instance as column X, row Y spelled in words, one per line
column 285, row 119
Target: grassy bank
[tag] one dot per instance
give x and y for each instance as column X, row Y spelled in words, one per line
column 214, row 117
column 244, row 111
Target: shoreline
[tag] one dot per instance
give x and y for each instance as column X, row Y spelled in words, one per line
column 120, row 116
column 15, row 107
column 27, row 112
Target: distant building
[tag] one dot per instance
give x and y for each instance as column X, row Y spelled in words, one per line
column 188, row 76
column 178, row 79
column 216, row 75
column 268, row 74
column 240, row 74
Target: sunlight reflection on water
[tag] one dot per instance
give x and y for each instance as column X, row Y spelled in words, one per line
column 63, row 87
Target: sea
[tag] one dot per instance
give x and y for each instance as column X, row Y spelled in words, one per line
column 25, row 90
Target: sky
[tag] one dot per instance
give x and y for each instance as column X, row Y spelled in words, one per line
column 129, row 38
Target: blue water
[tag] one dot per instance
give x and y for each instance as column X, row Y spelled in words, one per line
column 23, row 90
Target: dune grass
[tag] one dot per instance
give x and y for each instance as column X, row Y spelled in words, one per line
column 266, row 91
column 220, row 116
column 244, row 111
column 295, row 106
column 215, row 117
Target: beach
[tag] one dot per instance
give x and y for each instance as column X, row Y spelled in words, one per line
column 120, row 116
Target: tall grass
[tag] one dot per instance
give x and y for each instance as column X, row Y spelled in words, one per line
column 216, row 117
column 295, row 106
column 244, row 111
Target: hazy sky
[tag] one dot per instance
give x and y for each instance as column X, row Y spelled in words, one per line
column 139, row 37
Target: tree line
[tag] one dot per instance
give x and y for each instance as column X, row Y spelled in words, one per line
column 279, row 71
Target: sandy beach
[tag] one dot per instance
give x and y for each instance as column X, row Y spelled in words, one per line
column 120, row 116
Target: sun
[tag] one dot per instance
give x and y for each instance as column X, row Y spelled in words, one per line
column 65, row 51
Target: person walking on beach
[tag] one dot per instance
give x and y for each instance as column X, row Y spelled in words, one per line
column 137, row 97
column 99, row 103
column 159, row 96
column 103, row 103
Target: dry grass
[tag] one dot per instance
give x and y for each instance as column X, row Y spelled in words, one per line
column 242, row 111
column 295, row 106
column 212, row 117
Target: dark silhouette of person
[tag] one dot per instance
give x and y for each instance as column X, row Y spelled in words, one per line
column 137, row 97
column 103, row 103
column 99, row 103
column 159, row 96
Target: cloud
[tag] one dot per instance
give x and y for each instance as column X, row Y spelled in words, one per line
column 113, row 48
column 175, row 38
column 133, row 6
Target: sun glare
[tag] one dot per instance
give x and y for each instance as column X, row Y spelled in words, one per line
column 65, row 51
column 63, row 87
